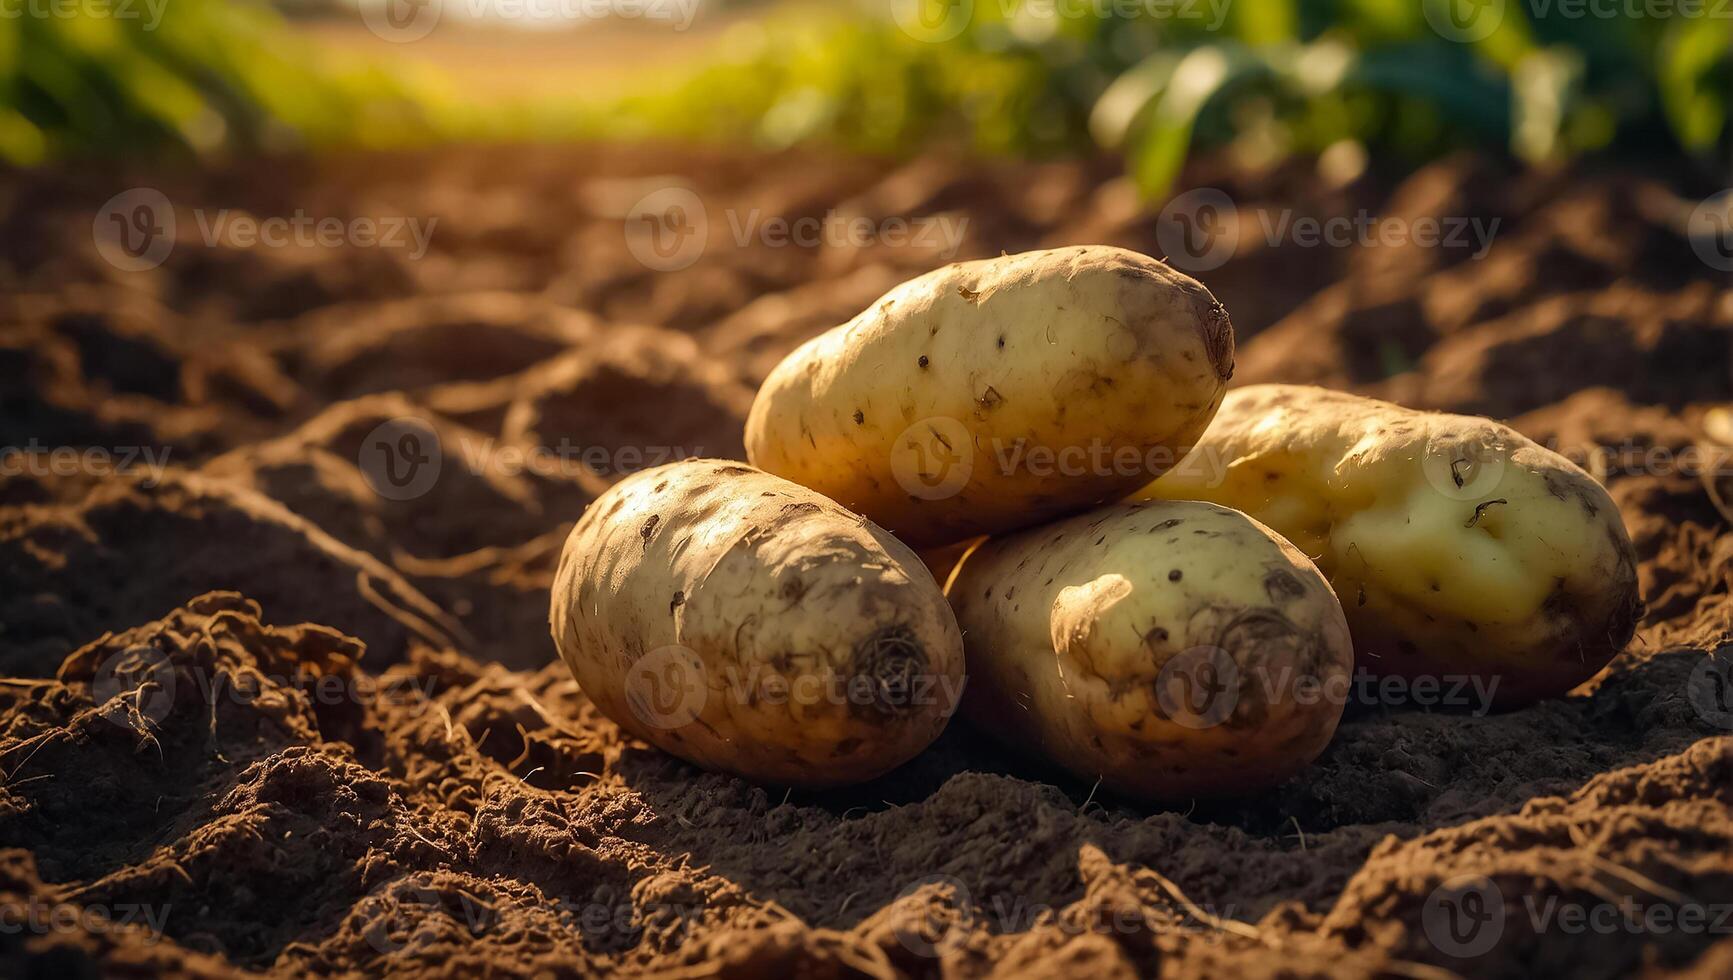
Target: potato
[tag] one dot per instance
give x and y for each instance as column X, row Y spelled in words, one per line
column 749, row 625
column 999, row 394
column 1460, row 548
column 1171, row 650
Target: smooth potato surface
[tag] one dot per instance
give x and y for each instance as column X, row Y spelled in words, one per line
column 1458, row 546
column 1170, row 650
column 999, row 393
column 752, row 626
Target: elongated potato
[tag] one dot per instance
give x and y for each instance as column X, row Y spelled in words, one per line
column 747, row 624
column 998, row 394
column 1171, row 650
column 1459, row 547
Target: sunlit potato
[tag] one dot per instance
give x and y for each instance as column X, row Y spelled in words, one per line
column 1168, row 650
column 752, row 626
column 1460, row 548
column 1000, row 393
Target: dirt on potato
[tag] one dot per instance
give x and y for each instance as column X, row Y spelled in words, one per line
column 278, row 525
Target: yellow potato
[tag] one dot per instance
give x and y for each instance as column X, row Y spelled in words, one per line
column 1170, row 650
column 750, row 625
column 1459, row 547
column 999, row 394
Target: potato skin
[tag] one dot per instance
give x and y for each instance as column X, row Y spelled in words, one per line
column 752, row 626
column 1086, row 640
column 1459, row 547
column 942, row 410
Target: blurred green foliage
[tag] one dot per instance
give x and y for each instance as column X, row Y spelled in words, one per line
column 105, row 78
column 1154, row 80
column 1266, row 77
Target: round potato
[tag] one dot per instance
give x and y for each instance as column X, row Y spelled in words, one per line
column 997, row 394
column 749, row 625
column 1170, row 650
column 1460, row 548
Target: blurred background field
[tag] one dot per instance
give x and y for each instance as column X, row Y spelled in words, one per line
column 1403, row 81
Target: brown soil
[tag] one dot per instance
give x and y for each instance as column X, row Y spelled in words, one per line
column 301, row 728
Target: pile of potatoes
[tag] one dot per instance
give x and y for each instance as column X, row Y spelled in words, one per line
column 1159, row 585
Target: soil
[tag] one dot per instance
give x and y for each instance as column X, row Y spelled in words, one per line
column 259, row 718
